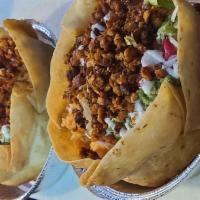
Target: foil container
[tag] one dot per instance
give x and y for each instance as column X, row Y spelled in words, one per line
column 54, row 169
column 126, row 191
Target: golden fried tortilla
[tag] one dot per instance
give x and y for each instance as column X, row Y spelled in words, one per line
column 160, row 127
column 161, row 130
column 168, row 162
column 189, row 59
column 73, row 23
column 29, row 145
column 162, row 164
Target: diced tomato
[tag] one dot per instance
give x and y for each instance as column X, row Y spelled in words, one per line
column 169, row 49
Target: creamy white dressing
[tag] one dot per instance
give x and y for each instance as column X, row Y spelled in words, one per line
column 123, row 132
column 98, row 27
column 170, row 61
column 136, row 115
column 107, row 17
column 81, row 47
column 82, row 62
column 146, row 86
column 88, row 115
column 5, row 133
column 152, row 57
column 139, row 110
column 155, row 57
column 92, row 35
column 173, row 71
column 110, row 122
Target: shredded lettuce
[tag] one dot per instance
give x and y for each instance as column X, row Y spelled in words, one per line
column 173, row 80
column 168, row 4
column 147, row 99
column 167, row 29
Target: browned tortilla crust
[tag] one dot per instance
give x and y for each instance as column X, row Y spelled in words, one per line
column 136, row 150
column 29, row 143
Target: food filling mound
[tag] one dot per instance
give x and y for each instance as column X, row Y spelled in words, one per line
column 12, row 70
column 115, row 70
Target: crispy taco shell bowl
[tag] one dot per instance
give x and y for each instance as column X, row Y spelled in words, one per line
column 24, row 80
column 100, row 60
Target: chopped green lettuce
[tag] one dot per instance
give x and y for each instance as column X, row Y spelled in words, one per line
column 167, row 29
column 173, row 80
column 168, row 4
column 144, row 99
column 147, row 99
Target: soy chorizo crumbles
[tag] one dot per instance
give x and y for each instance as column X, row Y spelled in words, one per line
column 10, row 68
column 104, row 72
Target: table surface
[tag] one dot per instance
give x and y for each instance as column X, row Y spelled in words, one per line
column 50, row 12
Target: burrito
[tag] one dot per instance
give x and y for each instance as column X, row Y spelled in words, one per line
column 124, row 91
column 24, row 81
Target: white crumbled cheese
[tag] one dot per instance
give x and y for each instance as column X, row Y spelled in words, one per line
column 81, row 47
column 106, row 17
column 146, row 86
column 173, row 41
column 98, row 26
column 92, row 35
column 82, row 62
column 152, row 57
column 5, row 131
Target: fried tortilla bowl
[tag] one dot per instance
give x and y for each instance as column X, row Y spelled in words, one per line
column 164, row 141
column 22, row 158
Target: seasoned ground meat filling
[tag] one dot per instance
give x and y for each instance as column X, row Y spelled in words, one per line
column 10, row 69
column 105, row 70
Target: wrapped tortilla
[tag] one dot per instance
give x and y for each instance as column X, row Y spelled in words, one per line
column 126, row 103
column 24, row 80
